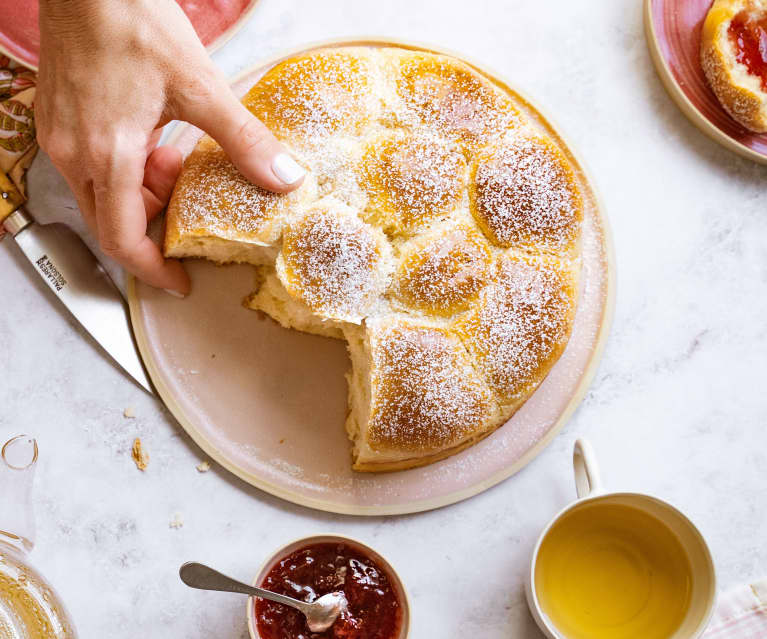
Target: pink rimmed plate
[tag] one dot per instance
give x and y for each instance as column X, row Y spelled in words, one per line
column 673, row 29
column 269, row 404
column 215, row 25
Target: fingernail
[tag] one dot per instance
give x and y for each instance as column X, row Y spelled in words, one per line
column 287, row 169
column 174, row 293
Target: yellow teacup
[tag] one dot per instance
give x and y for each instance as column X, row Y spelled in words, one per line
column 619, row 566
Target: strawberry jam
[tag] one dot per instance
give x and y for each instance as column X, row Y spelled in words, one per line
column 748, row 32
column 374, row 610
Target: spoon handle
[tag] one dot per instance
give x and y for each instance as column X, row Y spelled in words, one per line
column 202, row 577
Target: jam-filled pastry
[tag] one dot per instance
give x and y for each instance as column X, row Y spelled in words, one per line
column 437, row 232
column 733, row 53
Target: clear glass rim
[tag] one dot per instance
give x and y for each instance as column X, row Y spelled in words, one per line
column 11, row 442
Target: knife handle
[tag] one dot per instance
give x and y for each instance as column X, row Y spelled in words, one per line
column 11, row 198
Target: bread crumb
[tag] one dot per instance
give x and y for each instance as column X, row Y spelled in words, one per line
column 176, row 522
column 282, row 441
column 128, row 413
column 203, row 467
column 140, row 456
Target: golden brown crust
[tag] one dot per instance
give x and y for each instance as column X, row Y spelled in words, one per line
column 449, row 97
column 419, row 460
column 442, row 272
column 213, row 201
column 520, row 324
column 523, row 194
column 739, row 92
column 426, row 396
column 316, row 95
column 410, row 180
column 334, row 263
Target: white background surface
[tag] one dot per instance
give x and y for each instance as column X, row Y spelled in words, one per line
column 678, row 407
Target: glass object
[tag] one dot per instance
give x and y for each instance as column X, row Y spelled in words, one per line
column 29, row 607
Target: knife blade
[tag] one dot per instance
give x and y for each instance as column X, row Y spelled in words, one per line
column 77, row 278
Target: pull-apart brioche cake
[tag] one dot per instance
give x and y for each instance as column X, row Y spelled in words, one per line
column 437, row 232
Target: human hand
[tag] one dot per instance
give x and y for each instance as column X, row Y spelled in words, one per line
column 112, row 72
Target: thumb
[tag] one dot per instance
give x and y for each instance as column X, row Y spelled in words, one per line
column 253, row 149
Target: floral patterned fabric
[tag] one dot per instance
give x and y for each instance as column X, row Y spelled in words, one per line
column 17, row 122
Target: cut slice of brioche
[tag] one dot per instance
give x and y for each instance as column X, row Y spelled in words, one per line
column 271, row 298
column 216, row 213
column 414, row 396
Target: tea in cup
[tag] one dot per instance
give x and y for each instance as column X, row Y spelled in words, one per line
column 619, row 566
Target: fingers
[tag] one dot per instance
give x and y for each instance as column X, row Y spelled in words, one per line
column 160, row 173
column 83, row 193
column 153, row 140
column 253, row 149
column 61, row 147
column 122, row 220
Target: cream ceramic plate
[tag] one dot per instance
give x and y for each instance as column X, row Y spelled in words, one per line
column 269, row 403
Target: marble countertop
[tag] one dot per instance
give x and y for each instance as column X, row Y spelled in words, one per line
column 678, row 407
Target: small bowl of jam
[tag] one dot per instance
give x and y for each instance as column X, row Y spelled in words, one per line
column 306, row 569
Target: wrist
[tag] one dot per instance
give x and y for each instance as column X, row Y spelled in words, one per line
column 69, row 6
column 63, row 9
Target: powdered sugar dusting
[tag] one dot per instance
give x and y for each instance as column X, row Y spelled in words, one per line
column 521, row 324
column 214, row 196
column 314, row 96
column 428, row 396
column 443, row 275
column 433, row 387
column 411, row 179
column 523, row 194
column 452, row 99
column 332, row 263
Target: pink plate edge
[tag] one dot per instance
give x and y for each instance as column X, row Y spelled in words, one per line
column 214, row 46
column 688, row 108
column 229, row 33
column 420, row 505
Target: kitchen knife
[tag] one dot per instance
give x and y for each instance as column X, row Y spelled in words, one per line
column 77, row 278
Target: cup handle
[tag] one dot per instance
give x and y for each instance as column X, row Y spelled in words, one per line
column 587, row 480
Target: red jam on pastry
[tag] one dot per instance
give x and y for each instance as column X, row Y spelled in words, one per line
column 749, row 35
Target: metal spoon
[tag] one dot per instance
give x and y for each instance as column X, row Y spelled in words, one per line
column 320, row 614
